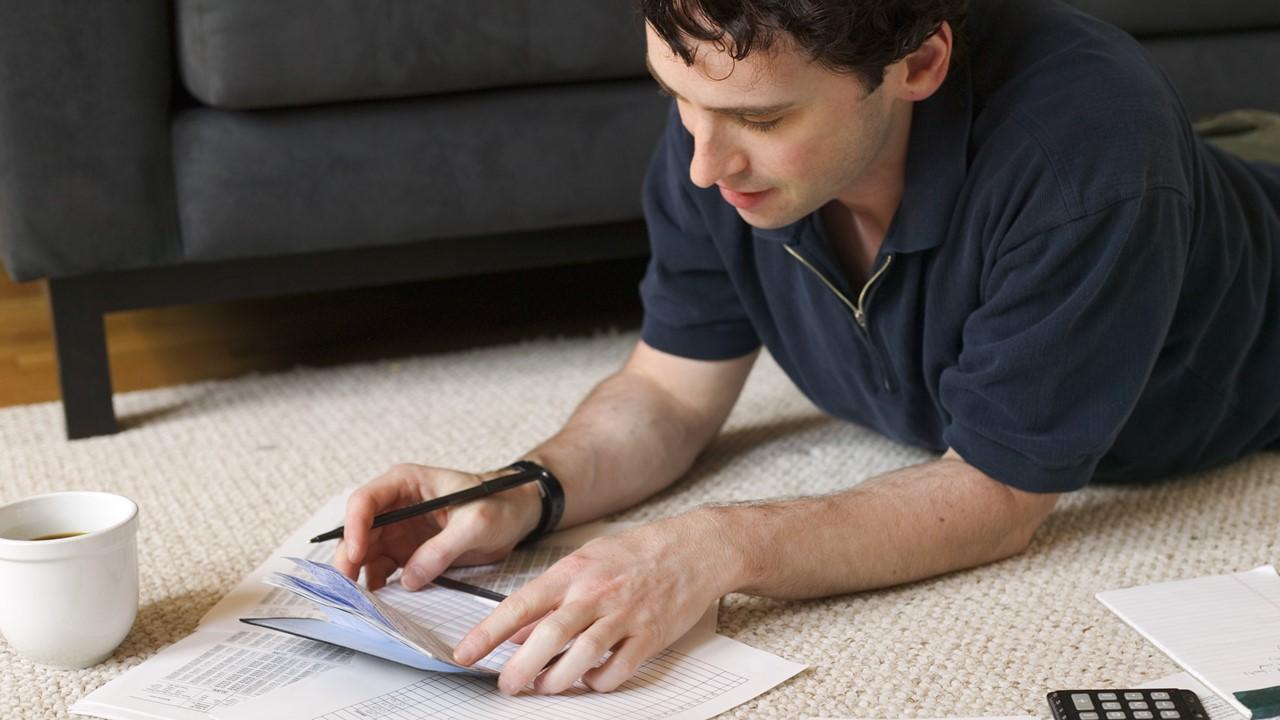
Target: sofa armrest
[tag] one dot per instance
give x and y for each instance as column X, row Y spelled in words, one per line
column 86, row 179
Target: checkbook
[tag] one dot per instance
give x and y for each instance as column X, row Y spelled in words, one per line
column 419, row 629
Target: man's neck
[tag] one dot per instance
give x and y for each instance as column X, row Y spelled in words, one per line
column 858, row 218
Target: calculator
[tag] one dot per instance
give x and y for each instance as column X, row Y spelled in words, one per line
column 1128, row 704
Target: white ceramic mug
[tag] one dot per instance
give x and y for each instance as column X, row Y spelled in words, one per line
column 68, row 602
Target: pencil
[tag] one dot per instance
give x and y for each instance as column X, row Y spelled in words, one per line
column 450, row 583
column 490, row 487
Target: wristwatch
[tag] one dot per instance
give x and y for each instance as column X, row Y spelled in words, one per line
column 552, row 499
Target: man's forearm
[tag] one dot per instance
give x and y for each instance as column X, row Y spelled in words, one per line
column 906, row 525
column 627, row 440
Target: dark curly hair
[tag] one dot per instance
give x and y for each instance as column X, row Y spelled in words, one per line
column 858, row 36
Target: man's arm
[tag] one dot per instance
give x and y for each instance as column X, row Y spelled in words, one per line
column 639, row 430
column 638, row 591
column 906, row 525
column 634, row 434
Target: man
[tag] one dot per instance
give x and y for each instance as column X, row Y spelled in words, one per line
column 1008, row 248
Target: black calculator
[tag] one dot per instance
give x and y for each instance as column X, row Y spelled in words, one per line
column 1128, row 704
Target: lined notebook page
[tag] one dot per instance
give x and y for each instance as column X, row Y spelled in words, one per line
column 1223, row 629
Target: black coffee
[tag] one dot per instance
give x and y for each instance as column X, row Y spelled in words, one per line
column 58, row 536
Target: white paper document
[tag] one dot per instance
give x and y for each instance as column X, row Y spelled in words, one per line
column 700, row 676
column 1217, row 708
column 1223, row 629
column 211, row 670
column 225, row 663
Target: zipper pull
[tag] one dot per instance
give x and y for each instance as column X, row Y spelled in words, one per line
column 864, row 297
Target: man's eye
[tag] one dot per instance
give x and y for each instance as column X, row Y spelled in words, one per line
column 759, row 125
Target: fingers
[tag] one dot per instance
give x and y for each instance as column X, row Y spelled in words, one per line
column 587, row 651
column 522, row 608
column 550, row 637
column 436, row 555
column 366, row 502
column 377, row 571
column 344, row 565
column 523, row 633
column 622, row 665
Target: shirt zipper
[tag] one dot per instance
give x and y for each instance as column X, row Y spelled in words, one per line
column 858, row 309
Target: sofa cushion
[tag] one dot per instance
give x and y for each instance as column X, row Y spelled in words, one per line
column 245, row 54
column 362, row 175
column 1221, row 72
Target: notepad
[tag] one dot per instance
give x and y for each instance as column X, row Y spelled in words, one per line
column 1223, row 629
column 419, row 629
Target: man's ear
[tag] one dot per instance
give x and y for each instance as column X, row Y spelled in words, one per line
column 921, row 73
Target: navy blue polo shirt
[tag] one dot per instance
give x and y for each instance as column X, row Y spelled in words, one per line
column 1073, row 287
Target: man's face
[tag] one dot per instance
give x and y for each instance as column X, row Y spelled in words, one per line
column 780, row 135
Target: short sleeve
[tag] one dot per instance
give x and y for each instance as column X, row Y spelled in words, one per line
column 691, row 307
column 1069, row 328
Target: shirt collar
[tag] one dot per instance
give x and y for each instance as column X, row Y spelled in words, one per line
column 937, row 162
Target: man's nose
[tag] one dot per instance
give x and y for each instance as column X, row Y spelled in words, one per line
column 714, row 158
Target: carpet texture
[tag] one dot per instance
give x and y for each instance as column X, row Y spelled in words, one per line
column 222, row 471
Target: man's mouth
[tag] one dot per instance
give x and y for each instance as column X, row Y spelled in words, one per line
column 743, row 200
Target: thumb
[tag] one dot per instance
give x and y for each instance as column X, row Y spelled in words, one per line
column 436, row 555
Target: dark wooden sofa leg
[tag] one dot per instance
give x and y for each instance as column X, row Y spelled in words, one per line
column 84, row 374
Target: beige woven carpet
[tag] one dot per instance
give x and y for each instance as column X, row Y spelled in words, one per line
column 224, row 470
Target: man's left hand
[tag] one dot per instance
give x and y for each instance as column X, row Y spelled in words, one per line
column 633, row 593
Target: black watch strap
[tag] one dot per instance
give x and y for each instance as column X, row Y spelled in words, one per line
column 552, row 499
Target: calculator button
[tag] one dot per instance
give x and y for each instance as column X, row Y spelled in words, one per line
column 1160, row 696
column 1115, row 715
column 1142, row 715
column 1106, row 696
column 1082, row 701
column 1092, row 716
column 1133, row 696
column 1138, row 706
column 1169, row 714
column 1110, row 706
column 1164, row 705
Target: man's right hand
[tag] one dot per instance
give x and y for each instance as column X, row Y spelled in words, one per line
column 474, row 533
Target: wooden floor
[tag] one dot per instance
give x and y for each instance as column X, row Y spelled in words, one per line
column 170, row 346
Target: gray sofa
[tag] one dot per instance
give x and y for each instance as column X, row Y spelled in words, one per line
column 155, row 153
